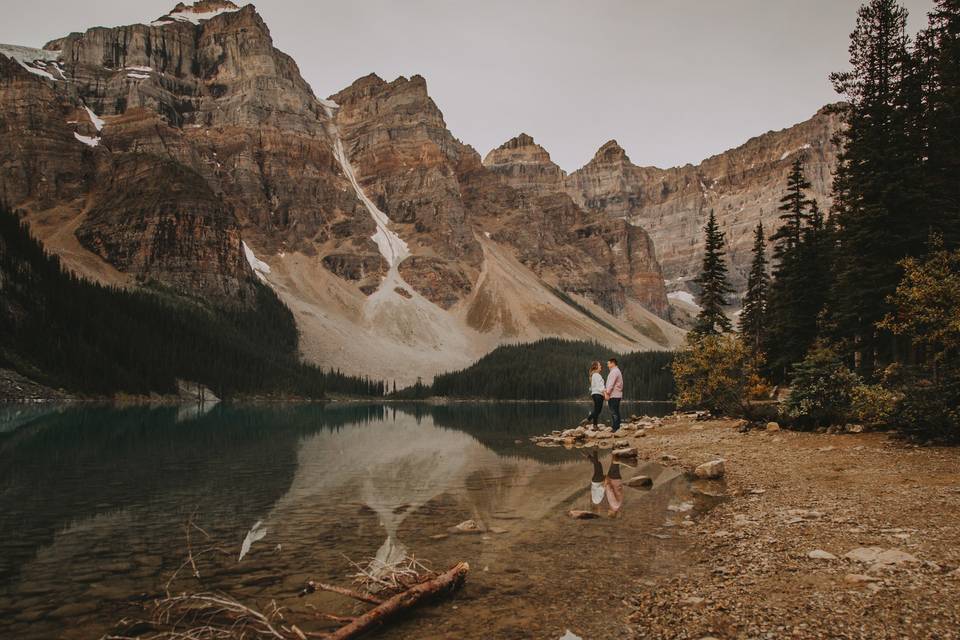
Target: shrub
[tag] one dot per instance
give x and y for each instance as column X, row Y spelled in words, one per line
column 822, row 389
column 874, row 404
column 719, row 373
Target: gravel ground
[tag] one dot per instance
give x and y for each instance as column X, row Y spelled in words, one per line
column 751, row 574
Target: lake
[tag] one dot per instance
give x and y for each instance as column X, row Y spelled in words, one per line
column 95, row 505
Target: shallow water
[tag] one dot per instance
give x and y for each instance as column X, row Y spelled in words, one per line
column 94, row 503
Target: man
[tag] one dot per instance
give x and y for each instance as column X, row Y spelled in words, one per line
column 614, row 391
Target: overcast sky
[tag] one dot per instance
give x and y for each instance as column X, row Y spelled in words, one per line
column 674, row 81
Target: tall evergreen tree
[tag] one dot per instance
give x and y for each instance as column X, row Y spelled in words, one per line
column 801, row 276
column 713, row 282
column 753, row 317
column 938, row 63
column 793, row 206
column 872, row 186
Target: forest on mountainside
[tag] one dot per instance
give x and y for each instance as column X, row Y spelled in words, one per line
column 67, row 332
column 550, row 369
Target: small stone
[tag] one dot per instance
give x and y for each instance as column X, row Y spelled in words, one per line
column 643, row 482
column 467, row 526
column 668, row 458
column 773, row 426
column 626, row 452
column 582, row 515
column 439, row 536
column 710, row 470
column 820, row 554
column 604, row 435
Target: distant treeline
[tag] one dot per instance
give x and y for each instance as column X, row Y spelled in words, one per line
column 550, row 369
column 65, row 331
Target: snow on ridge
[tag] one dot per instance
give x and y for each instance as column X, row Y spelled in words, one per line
column 787, row 154
column 34, row 60
column 94, row 119
column 259, row 267
column 87, row 140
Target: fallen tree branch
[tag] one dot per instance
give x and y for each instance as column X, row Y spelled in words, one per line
column 312, row 586
column 445, row 582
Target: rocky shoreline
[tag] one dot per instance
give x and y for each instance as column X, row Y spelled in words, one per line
column 848, row 535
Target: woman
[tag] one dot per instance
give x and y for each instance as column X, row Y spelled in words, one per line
column 596, row 392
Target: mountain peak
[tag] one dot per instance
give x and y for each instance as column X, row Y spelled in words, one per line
column 198, row 12
column 519, row 142
column 611, row 151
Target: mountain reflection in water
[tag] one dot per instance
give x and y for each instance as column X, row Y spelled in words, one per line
column 106, row 493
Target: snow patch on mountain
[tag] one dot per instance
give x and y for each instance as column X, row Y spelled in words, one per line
column 787, row 154
column 94, row 119
column 36, row 61
column 261, row 268
column 87, row 140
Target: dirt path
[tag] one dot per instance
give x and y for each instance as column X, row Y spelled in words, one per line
column 794, row 493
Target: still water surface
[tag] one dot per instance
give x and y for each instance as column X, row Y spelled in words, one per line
column 94, row 502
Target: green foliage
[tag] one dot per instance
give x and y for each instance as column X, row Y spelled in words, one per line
column 67, row 332
column 822, row 389
column 550, row 369
column 927, row 313
column 713, row 283
column 874, row 405
column 719, row 373
column 753, row 317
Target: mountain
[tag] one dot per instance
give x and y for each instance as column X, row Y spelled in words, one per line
column 190, row 154
column 741, row 186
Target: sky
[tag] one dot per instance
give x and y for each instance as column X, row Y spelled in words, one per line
column 673, row 81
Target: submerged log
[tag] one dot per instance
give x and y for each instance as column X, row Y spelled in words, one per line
column 444, row 583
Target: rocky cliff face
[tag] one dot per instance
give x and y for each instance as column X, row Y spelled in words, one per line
column 190, row 152
column 601, row 258
column 742, row 186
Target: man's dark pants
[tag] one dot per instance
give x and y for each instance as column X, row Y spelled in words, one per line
column 614, row 404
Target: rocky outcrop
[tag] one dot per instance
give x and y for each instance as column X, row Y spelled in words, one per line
column 609, row 261
column 526, row 166
column 158, row 220
column 742, row 186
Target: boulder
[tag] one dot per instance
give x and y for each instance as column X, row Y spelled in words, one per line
column 820, row 554
column 710, row 470
column 773, row 426
column 604, row 435
column 620, row 444
column 625, row 452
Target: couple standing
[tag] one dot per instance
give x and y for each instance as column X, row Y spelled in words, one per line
column 611, row 391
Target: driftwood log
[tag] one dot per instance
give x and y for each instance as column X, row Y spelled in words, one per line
column 446, row 582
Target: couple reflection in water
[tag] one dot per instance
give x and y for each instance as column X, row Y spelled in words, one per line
column 605, row 486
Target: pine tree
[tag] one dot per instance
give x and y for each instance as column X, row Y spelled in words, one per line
column 794, row 205
column 714, row 286
column 873, row 187
column 938, row 64
column 753, row 317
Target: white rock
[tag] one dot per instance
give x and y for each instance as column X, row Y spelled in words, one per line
column 820, row 554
